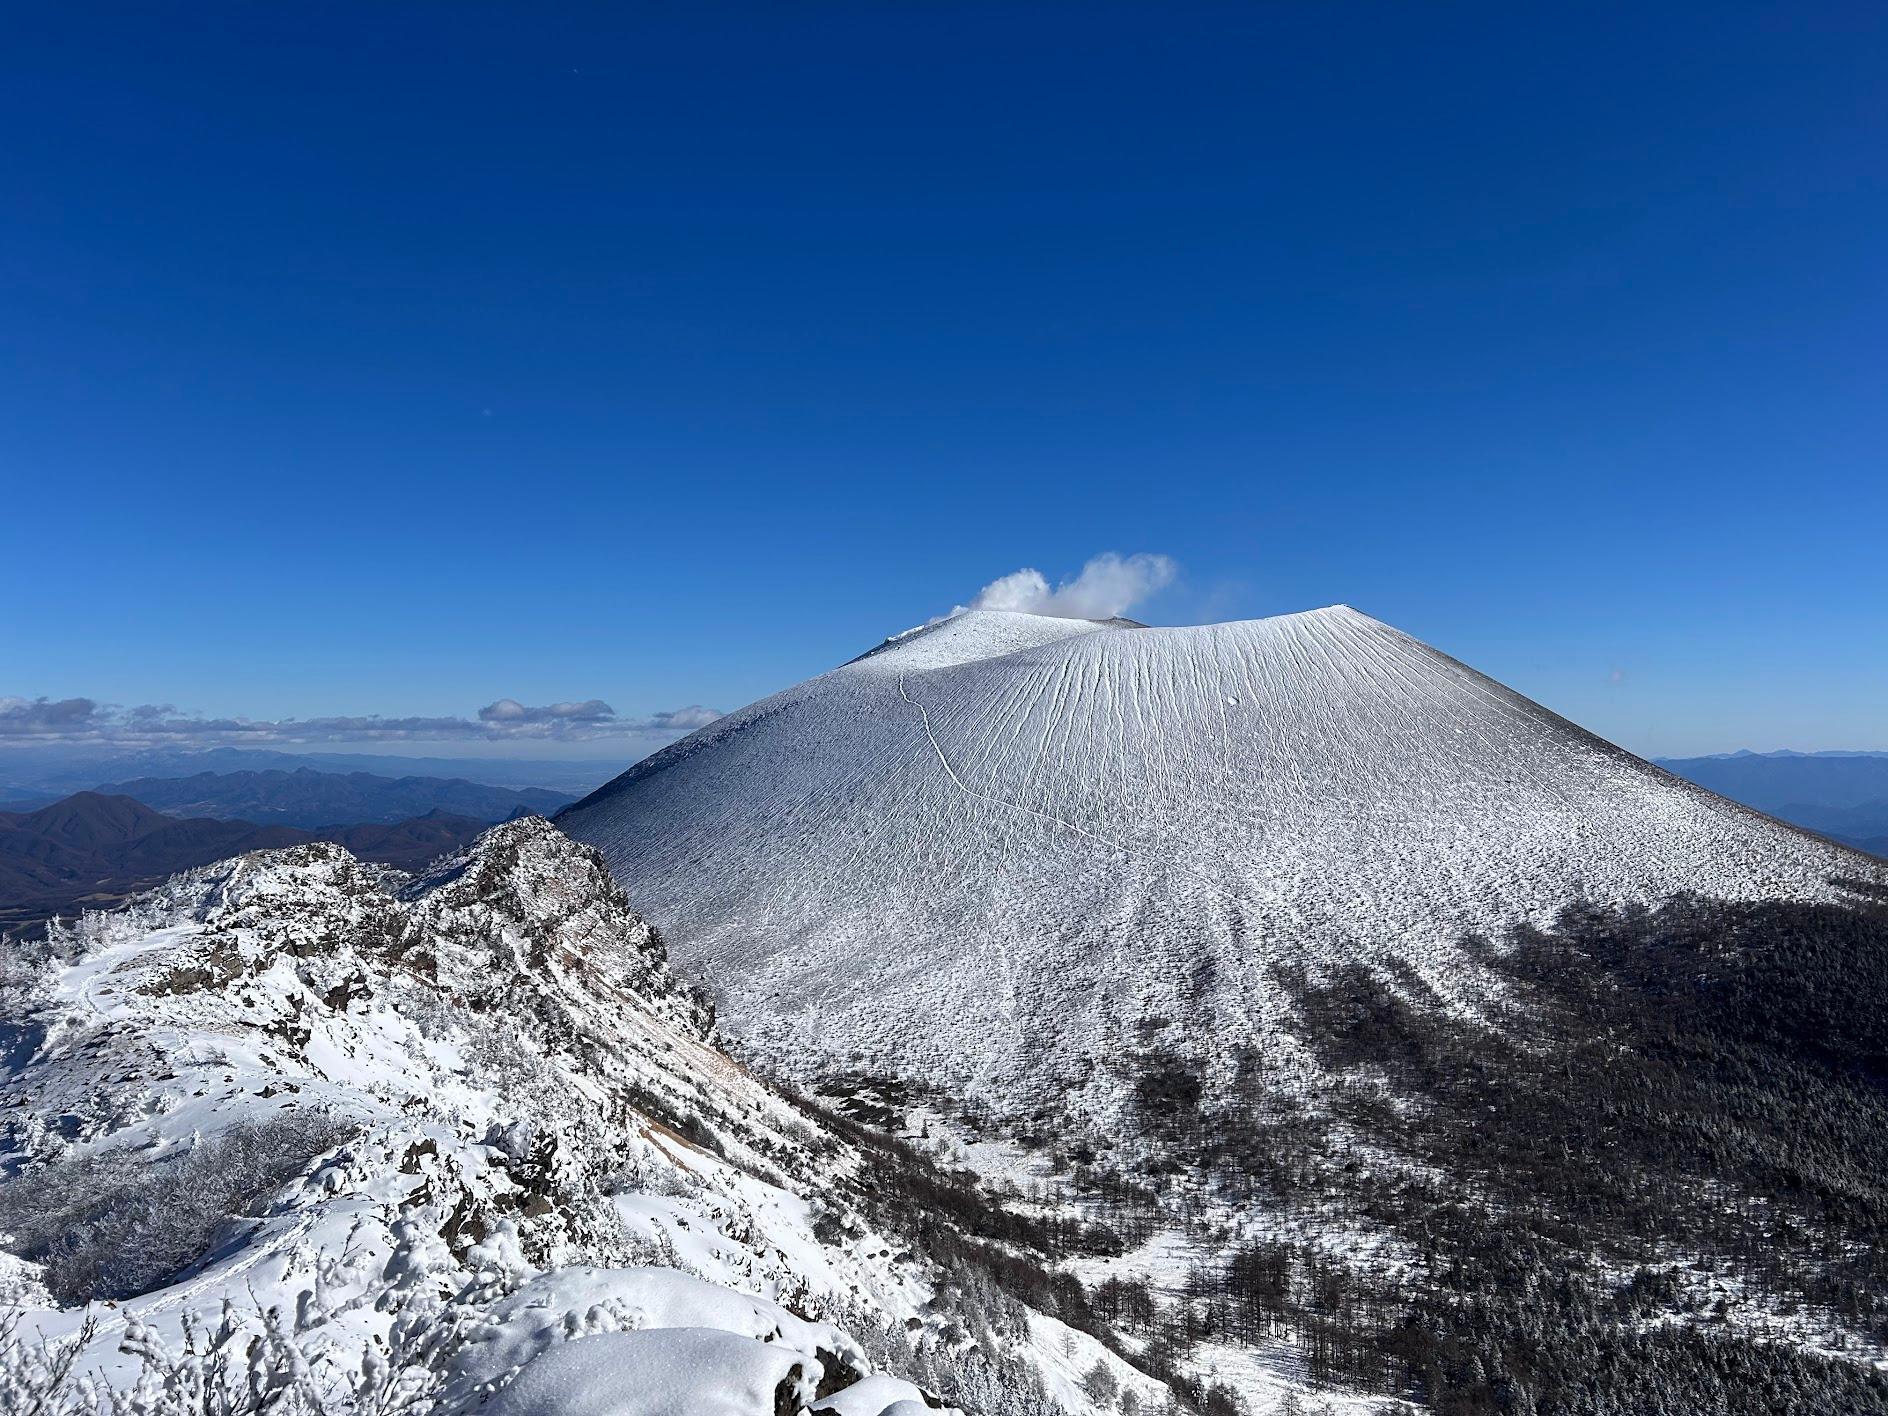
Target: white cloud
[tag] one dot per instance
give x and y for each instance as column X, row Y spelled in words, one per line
column 41, row 717
column 509, row 712
column 1109, row 585
column 82, row 720
column 687, row 719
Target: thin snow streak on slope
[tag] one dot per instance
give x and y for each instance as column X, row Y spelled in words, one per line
column 1008, row 964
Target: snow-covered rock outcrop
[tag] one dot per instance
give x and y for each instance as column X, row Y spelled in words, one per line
column 477, row 1125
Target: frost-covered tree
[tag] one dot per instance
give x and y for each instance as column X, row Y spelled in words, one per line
column 1100, row 1384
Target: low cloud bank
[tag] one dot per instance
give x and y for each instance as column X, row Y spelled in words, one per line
column 84, row 720
column 1109, row 586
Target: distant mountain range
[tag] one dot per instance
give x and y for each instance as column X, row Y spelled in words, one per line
column 49, row 771
column 92, row 850
column 1781, row 752
column 305, row 797
column 1842, row 795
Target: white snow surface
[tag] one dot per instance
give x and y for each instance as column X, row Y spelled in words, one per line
column 877, row 1395
column 699, row 1372
column 688, row 1372
column 1032, row 832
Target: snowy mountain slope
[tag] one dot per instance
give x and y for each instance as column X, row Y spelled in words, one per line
column 1039, row 832
column 473, row 1116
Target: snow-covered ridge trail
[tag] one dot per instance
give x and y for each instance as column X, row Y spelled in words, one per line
column 1038, row 832
column 476, row 1121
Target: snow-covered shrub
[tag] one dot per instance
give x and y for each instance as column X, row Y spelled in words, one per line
column 267, row 1361
column 119, row 1223
column 259, row 1365
column 984, row 1379
column 24, row 965
column 39, row 1378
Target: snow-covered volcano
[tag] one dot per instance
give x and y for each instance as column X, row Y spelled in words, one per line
column 1041, row 835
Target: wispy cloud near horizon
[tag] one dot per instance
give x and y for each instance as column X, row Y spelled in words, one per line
column 76, row 721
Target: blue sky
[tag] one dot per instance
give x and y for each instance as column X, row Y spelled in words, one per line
column 401, row 360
